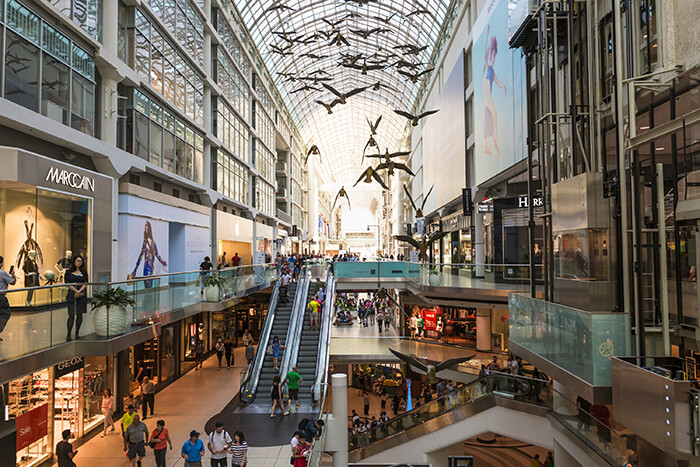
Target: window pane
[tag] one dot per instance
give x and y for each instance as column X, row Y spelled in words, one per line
column 180, row 157
column 189, row 162
column 141, row 136
column 54, row 89
column 198, row 166
column 156, row 143
column 169, row 151
column 21, row 72
column 83, row 104
column 141, row 55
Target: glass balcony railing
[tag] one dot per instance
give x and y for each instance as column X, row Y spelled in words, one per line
column 578, row 341
column 43, row 317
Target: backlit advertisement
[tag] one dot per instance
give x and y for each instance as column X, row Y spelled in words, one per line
column 499, row 94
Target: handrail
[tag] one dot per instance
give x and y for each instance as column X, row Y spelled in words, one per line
column 324, row 339
column 296, row 323
column 250, row 386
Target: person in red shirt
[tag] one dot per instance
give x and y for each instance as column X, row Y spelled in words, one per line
column 301, row 451
column 236, row 260
column 161, row 438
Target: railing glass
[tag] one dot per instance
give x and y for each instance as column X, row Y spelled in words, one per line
column 250, row 375
column 578, row 341
column 40, row 315
column 296, row 323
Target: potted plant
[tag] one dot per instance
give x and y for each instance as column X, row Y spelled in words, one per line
column 434, row 277
column 212, row 284
column 109, row 307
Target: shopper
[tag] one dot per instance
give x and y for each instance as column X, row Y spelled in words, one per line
column 276, row 396
column 293, row 380
column 365, row 400
column 228, row 350
column 239, row 450
column 193, row 450
column 247, row 338
column 160, row 440
column 631, row 458
column 420, row 322
column 250, row 354
column 236, row 260
column 76, row 298
column 205, row 268
column 313, row 308
column 135, row 441
column 284, row 287
column 380, row 319
column 301, row 452
column 549, row 460
column 535, row 461
column 276, row 346
column 148, row 394
column 198, row 354
column 5, row 281
column 295, row 442
column 219, row 351
column 218, row 444
column 127, row 419
column 107, row 410
column 313, row 429
column 64, row 450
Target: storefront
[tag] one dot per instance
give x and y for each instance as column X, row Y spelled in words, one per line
column 457, row 245
column 194, row 328
column 251, row 312
column 223, row 325
column 51, row 212
column 66, row 396
column 506, row 237
column 234, row 235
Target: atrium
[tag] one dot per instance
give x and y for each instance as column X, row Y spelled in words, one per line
column 411, row 232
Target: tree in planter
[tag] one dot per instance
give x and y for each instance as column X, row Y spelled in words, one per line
column 109, row 307
column 213, row 283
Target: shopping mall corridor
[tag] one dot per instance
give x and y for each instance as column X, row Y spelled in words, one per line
column 185, row 405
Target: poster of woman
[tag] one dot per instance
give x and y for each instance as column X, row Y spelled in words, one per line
column 148, row 256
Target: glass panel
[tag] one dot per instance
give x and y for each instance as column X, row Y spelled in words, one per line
column 23, row 21
column 21, row 72
column 141, row 146
column 141, row 55
column 169, row 151
column 156, row 144
column 83, row 104
column 54, row 95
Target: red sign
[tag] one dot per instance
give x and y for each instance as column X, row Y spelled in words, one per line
column 32, row 426
column 430, row 317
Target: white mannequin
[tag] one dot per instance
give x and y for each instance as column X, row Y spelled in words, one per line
column 61, row 264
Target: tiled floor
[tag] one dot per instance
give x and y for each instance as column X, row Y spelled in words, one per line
column 185, row 405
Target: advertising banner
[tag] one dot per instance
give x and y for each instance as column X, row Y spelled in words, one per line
column 499, row 94
column 32, row 426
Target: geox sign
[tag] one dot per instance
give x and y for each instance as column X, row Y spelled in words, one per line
column 71, row 179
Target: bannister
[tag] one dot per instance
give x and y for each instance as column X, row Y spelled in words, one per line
column 324, row 340
column 249, row 380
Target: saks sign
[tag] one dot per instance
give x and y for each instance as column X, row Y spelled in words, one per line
column 523, row 202
column 71, row 179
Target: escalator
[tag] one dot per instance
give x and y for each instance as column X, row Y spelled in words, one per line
column 308, row 348
column 279, row 329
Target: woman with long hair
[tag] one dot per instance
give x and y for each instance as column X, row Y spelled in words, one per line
column 149, row 253
column 490, row 114
column 107, row 410
column 276, row 396
column 239, row 450
column 76, row 298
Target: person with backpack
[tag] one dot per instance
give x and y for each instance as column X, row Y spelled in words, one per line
column 218, row 444
column 313, row 428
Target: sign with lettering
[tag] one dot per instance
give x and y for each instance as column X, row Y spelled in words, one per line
column 68, row 366
column 523, row 202
column 32, row 426
column 71, row 179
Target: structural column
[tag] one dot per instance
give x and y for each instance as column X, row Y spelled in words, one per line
column 338, row 429
column 483, row 329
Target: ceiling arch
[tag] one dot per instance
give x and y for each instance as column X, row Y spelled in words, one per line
column 302, row 30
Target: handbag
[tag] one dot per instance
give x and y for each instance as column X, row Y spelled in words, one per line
column 152, row 444
column 270, row 350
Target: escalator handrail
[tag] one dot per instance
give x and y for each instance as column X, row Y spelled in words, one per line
column 324, row 340
column 250, row 386
column 296, row 323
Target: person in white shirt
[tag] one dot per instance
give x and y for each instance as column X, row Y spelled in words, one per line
column 286, row 278
column 218, row 444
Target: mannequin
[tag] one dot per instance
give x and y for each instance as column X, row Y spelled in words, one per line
column 64, row 263
column 31, row 274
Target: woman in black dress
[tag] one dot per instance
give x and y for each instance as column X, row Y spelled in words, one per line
column 77, row 295
column 276, row 396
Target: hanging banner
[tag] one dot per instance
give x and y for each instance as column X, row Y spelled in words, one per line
column 32, row 426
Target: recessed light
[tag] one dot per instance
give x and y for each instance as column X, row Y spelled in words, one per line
column 644, row 127
column 660, row 149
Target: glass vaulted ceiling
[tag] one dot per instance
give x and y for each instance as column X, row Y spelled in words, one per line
column 303, row 31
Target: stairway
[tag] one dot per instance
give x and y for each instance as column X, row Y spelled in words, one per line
column 279, row 329
column 308, row 350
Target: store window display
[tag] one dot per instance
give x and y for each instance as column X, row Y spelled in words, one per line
column 39, row 229
column 28, row 396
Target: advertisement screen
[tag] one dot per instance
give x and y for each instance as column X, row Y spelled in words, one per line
column 499, row 94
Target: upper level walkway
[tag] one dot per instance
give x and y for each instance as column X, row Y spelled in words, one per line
column 36, row 335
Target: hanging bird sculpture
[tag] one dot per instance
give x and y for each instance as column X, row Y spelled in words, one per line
column 313, row 151
column 431, row 370
column 422, row 245
column 414, row 118
column 370, row 175
column 419, row 211
column 341, row 194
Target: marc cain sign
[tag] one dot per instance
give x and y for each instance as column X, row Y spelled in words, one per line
column 71, row 179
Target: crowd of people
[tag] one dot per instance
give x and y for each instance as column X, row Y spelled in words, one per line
column 372, row 310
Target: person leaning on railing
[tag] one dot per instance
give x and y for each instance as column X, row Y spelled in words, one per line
column 5, row 281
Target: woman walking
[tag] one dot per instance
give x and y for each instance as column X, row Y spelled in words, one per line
column 160, row 439
column 276, row 396
column 108, row 410
column 76, row 298
column 276, row 346
column 239, row 450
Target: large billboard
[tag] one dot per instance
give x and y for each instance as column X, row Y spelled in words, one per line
column 499, row 94
column 444, row 143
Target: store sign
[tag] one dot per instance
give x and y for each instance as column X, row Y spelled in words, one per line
column 71, row 179
column 481, row 207
column 523, row 202
column 32, row 426
column 68, row 366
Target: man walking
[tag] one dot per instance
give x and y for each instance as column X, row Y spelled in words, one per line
column 219, row 442
column 193, row 450
column 148, row 393
column 228, row 351
column 236, row 260
column 250, row 353
column 127, row 419
column 284, row 287
column 135, row 441
column 313, row 308
column 5, row 281
column 65, row 452
column 293, row 380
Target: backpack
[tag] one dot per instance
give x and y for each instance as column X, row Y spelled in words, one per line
column 303, row 423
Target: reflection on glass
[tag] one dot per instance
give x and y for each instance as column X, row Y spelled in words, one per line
column 582, row 255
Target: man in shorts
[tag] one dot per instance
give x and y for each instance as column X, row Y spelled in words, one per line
column 135, row 438
column 293, row 380
column 314, row 307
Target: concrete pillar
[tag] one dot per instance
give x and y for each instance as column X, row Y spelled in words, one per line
column 110, row 105
column 110, row 27
column 483, row 329
column 478, row 239
column 338, row 429
column 562, row 458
